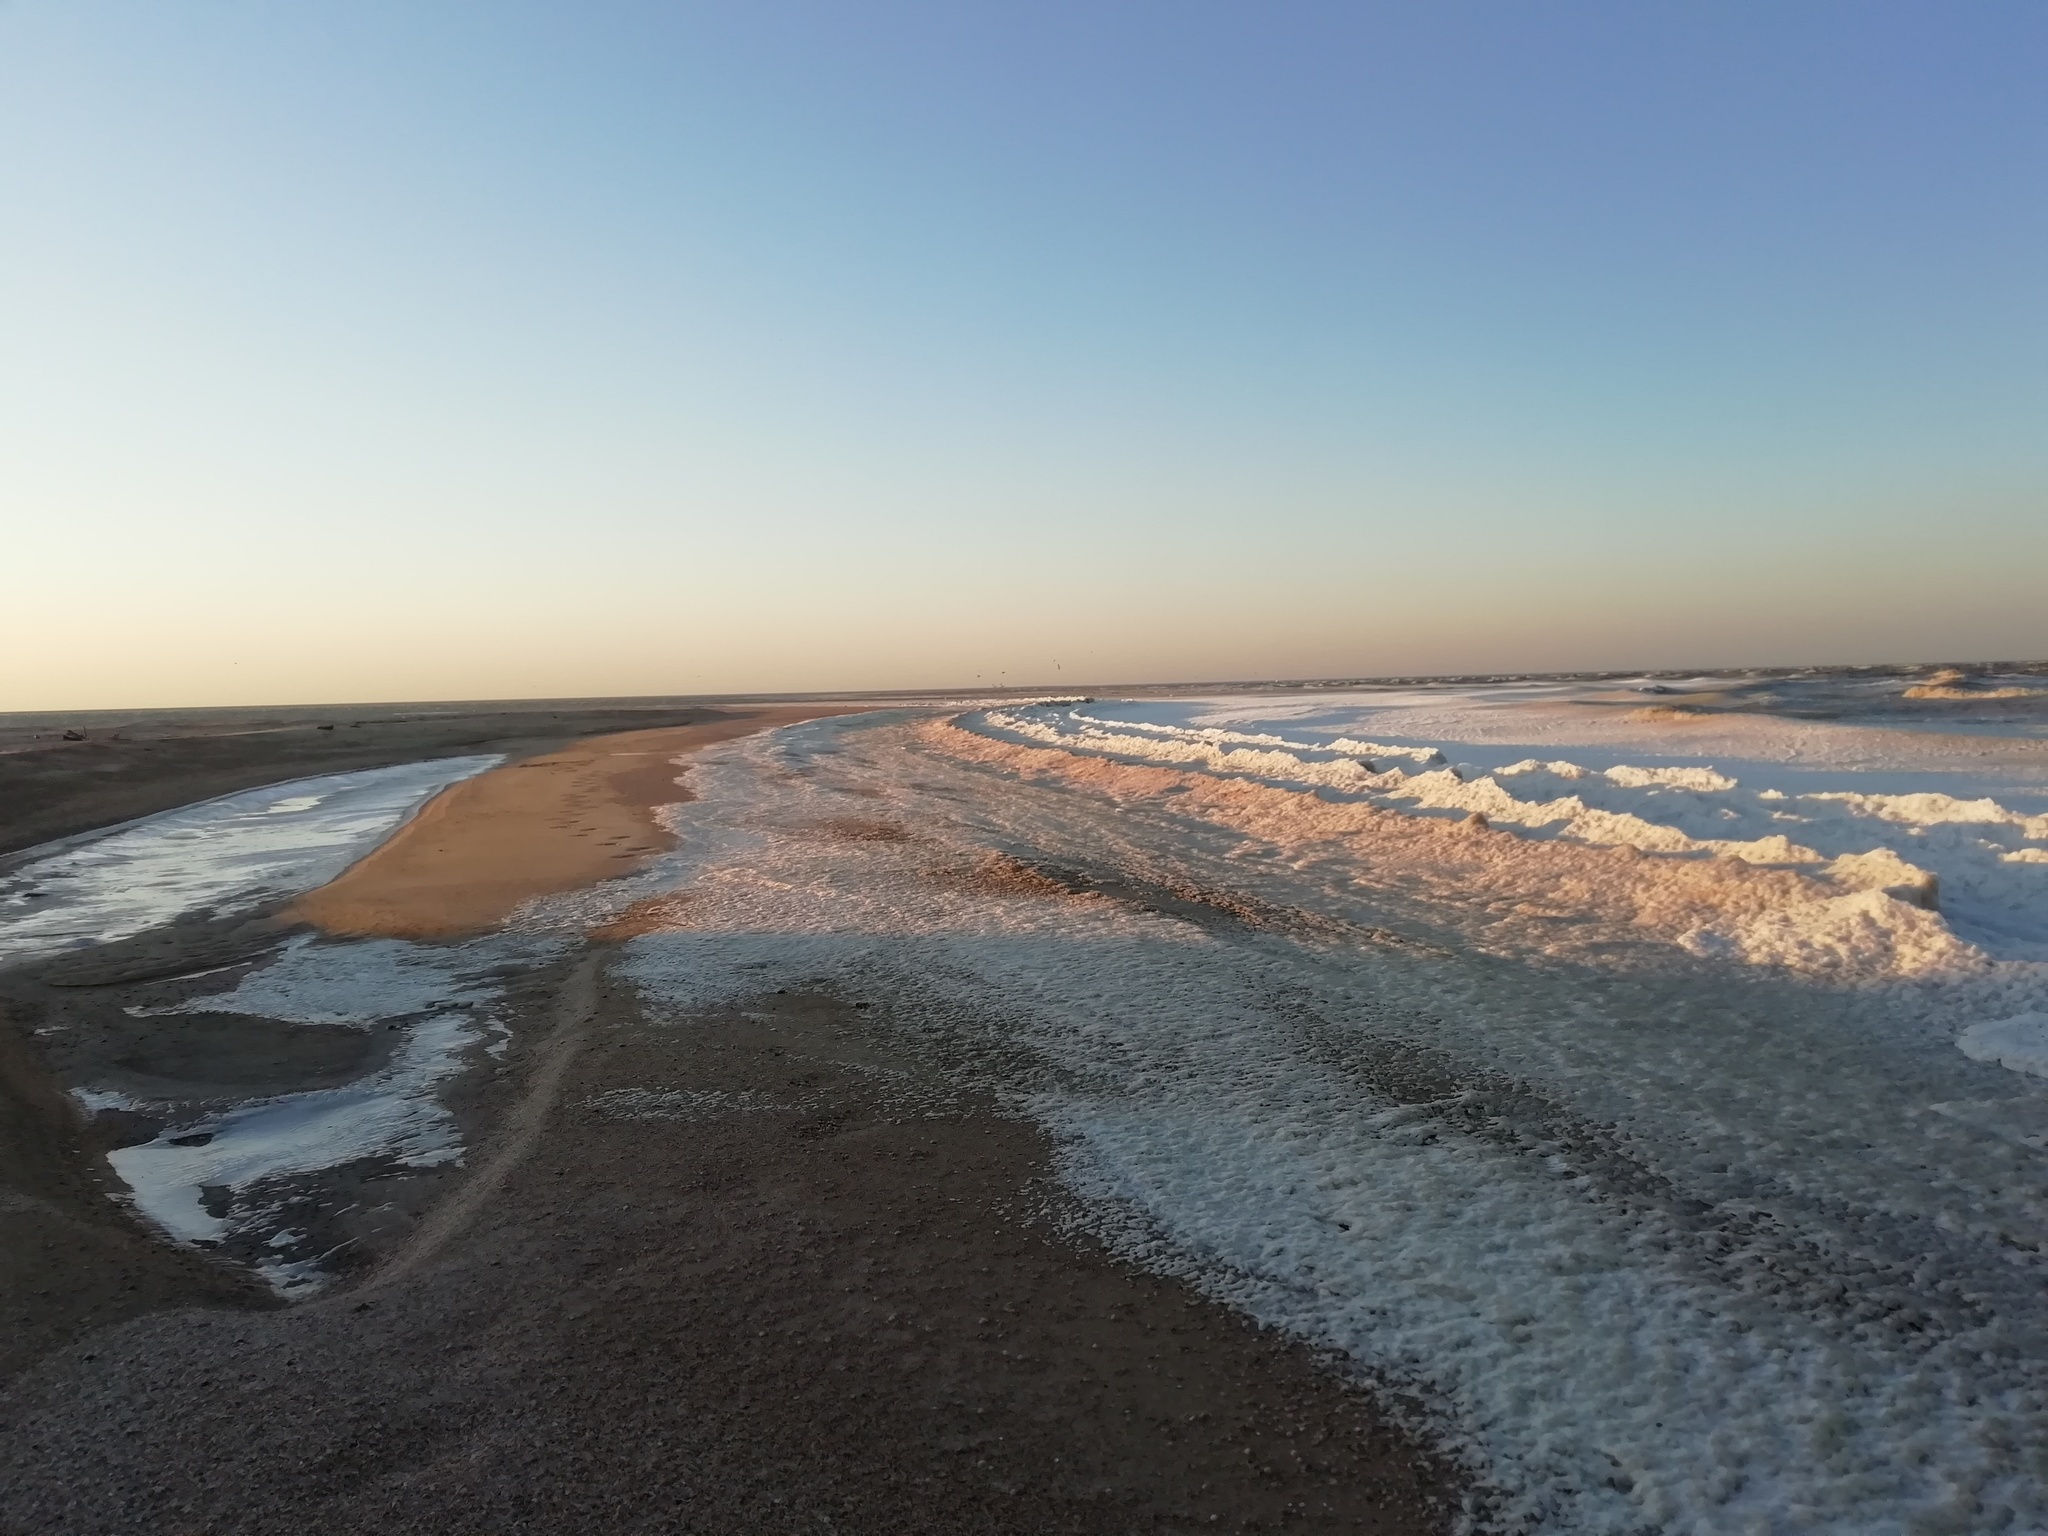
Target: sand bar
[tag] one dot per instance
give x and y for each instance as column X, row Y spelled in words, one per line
column 551, row 823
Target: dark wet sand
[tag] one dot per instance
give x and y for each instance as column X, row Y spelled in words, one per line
column 822, row 1287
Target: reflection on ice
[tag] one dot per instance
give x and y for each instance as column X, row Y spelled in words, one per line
column 226, row 855
column 186, row 1179
column 220, row 1172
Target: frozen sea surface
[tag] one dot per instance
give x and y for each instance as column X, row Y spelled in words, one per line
column 1647, row 1085
column 1667, row 1157
column 220, row 856
column 1956, row 822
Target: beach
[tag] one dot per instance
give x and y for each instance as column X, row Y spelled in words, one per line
column 72, row 1261
column 1140, row 769
column 793, row 1258
column 1527, row 1105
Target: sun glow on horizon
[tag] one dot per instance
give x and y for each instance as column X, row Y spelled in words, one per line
column 633, row 352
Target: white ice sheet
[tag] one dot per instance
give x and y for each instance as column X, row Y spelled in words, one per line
column 224, row 856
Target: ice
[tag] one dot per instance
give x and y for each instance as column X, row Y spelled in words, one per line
column 361, row 982
column 392, row 1114
column 1870, row 934
column 221, row 856
column 1704, row 780
column 1657, row 1239
column 1929, row 809
column 1648, row 1101
column 93, row 1100
column 1788, row 794
column 2020, row 1042
column 204, row 1177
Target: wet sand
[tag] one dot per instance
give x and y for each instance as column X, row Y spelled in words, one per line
column 810, row 1281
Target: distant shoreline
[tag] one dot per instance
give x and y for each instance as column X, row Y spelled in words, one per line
column 18, row 725
column 544, row 824
column 52, row 789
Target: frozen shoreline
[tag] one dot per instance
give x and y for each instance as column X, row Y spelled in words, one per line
column 1664, row 1233
column 727, row 1317
column 221, row 856
column 1685, row 1177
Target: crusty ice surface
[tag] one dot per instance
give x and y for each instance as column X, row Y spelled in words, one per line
column 2020, row 1042
column 204, row 1177
column 1718, row 1235
column 392, row 1113
column 1871, row 809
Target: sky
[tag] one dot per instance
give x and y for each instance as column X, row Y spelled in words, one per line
column 407, row 349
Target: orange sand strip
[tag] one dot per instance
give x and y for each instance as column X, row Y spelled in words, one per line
column 480, row 848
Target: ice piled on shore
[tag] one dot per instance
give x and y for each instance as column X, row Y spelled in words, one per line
column 1969, row 857
column 1662, row 1241
column 1865, row 935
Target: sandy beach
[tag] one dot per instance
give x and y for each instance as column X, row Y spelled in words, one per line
column 71, row 1262
column 780, row 1262
column 546, row 823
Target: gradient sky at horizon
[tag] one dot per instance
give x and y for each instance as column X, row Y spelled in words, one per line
column 394, row 350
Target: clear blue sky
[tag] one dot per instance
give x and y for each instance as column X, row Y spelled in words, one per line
column 402, row 350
